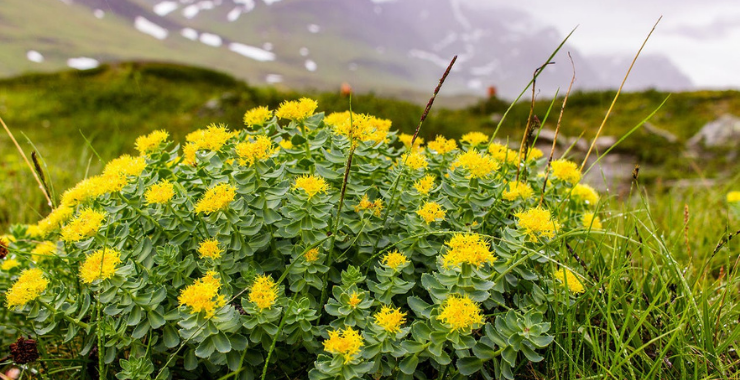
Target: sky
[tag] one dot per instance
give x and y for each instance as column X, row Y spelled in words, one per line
column 702, row 38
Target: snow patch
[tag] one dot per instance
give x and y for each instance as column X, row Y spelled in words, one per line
column 98, row 13
column 210, row 39
column 34, row 56
column 311, row 65
column 313, row 28
column 475, row 84
column 303, row 51
column 145, row 26
column 234, row 14
column 83, row 63
column 191, row 11
column 190, row 34
column 252, row 52
column 273, row 78
column 165, row 7
column 270, row 2
column 267, row 46
column 427, row 56
column 485, row 70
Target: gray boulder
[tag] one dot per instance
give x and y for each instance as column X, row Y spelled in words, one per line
column 723, row 132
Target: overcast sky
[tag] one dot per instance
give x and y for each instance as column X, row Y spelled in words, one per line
column 702, row 38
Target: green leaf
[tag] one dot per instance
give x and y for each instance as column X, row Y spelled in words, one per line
column 156, row 319
column 190, row 361
column 408, row 364
column 470, row 365
column 205, row 348
column 170, row 336
column 222, row 343
column 421, row 308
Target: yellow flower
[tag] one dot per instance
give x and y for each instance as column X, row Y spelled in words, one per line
column 534, row 154
column 565, row 276
column 415, row 160
column 251, row 152
column 312, row 255
column 406, row 140
column 311, row 184
column 467, row 248
column 263, row 292
column 257, row 116
column 100, row 265
column 585, row 193
column 424, row 185
column 91, row 188
column 209, row 248
column 503, row 154
column 375, row 206
column 213, row 138
column 390, row 319
column 394, row 260
column 125, row 166
column 216, row 198
column 354, row 300
column 733, row 197
column 53, row 221
column 474, row 138
column 477, row 164
column 29, row 286
column 590, row 221
column 203, row 295
column 566, row 171
column 84, row 226
column 43, row 250
column 189, row 151
column 9, row 264
column 431, row 211
column 518, row 190
column 149, row 143
column 346, row 342
column 286, row 144
column 537, row 222
column 35, row 231
column 297, row 110
column 160, row 193
column 442, row 145
column 358, row 127
column 460, row 313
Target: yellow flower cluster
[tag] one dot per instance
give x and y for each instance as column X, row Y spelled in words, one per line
column 390, row 319
column 537, row 222
column 124, row 166
column 359, row 127
column 257, row 116
column 733, row 197
column 263, row 292
column 286, row 144
column 591, row 221
column 297, row 110
column 100, row 265
column 210, row 249
column 431, row 211
column 442, row 145
column 460, row 313
column 251, row 152
column 346, row 342
column 566, row 171
column 43, row 250
column 425, row 184
column 474, row 138
column 9, row 264
column 53, row 221
column 467, row 248
column 160, row 193
column 354, row 300
column 84, row 226
column 477, row 164
column 375, row 206
column 567, row 277
column 312, row 255
column 585, row 193
column 534, row 154
column 213, row 138
column 203, row 295
column 114, row 178
column 311, row 184
column 503, row 154
column 406, row 138
column 149, row 143
column 31, row 283
column 216, row 198
column 394, row 260
column 415, row 160
column 518, row 190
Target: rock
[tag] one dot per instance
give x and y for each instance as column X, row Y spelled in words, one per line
column 653, row 130
column 546, row 135
column 723, row 132
column 604, row 142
